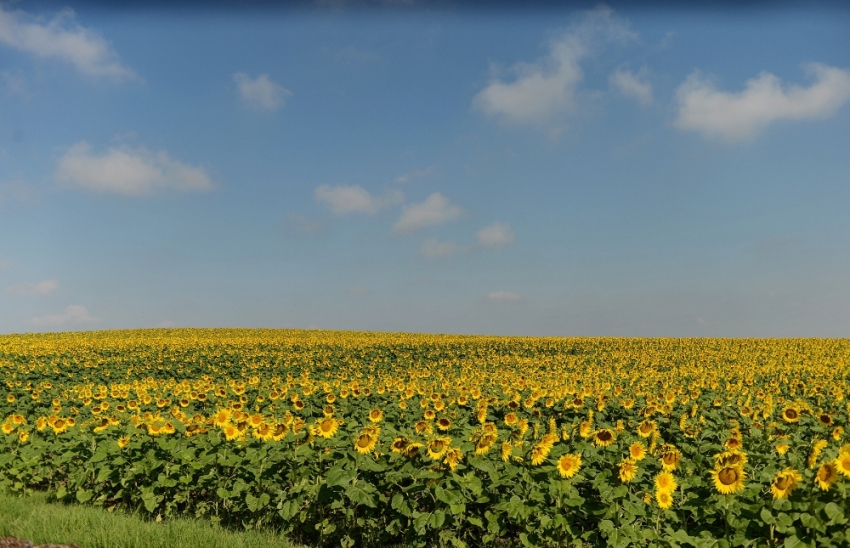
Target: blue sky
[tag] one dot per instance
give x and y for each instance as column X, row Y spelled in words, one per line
column 607, row 170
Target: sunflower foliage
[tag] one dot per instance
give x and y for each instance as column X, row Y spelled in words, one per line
column 358, row 439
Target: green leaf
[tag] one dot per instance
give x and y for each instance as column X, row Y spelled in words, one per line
column 84, row 495
column 361, row 493
column 338, row 476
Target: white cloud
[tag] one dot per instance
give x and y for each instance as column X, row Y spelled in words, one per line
column 30, row 289
column 739, row 116
column 502, row 296
column 435, row 210
column 432, row 249
column 632, row 85
column 548, row 87
column 261, row 92
column 344, row 199
column 127, row 171
column 73, row 315
column 495, row 235
column 62, row 38
column 416, row 174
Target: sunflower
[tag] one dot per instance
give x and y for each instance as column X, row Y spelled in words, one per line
column 230, row 432
column 23, row 436
column 412, row 449
column 670, row 459
column 256, row 420
column 453, row 457
column 8, row 428
column 569, row 464
column 539, row 453
column 664, row 499
column 628, row 470
column 584, row 429
column 41, row 424
column 728, row 479
column 637, row 451
column 222, row 417
column 782, row 448
column 420, row 426
column 731, row 458
column 123, row 441
column 733, row 443
column 485, row 443
column 429, row 414
column 604, row 437
column 842, row 463
column 327, row 427
column 511, row 419
column 818, row 446
column 826, row 476
column 437, row 447
column 59, row 426
column 399, row 445
column 824, row 419
column 376, row 415
column 263, row 432
column 837, row 432
column 507, row 449
column 646, row 428
column 665, row 482
column 365, row 442
column 443, row 423
column 791, row 414
column 784, row 482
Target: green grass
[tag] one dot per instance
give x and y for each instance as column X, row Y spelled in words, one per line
column 32, row 518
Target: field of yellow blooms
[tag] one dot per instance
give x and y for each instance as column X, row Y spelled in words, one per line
column 339, row 438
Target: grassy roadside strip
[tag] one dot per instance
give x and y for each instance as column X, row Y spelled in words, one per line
column 33, row 518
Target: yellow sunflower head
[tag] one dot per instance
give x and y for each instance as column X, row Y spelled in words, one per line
column 827, row 475
column 728, row 479
column 569, row 464
column 628, row 470
column 665, row 482
column 784, row 482
column 604, row 437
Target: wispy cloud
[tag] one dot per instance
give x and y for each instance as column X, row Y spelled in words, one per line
column 31, row 289
column 740, row 116
column 15, row 84
column 435, row 210
column 629, row 84
column 261, row 92
column 547, row 87
column 415, row 174
column 502, row 296
column 345, row 199
column 128, row 172
column 62, row 38
column 74, row 314
column 495, row 235
column 433, row 249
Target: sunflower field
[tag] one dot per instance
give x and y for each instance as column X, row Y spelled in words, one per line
column 362, row 439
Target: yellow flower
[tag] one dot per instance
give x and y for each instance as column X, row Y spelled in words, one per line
column 376, row 415
column 123, row 441
column 646, row 428
column 818, row 446
column 670, row 459
column 507, row 449
column 665, row 482
column 784, row 482
column 782, row 448
column 8, row 428
column 664, row 499
column 23, row 436
column 827, row 475
column 604, row 437
column 628, row 470
column 437, row 447
column 791, row 414
column 453, row 458
column 637, row 451
column 443, row 423
column 327, row 427
column 728, row 479
column 365, row 442
column 842, row 463
column 569, row 464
